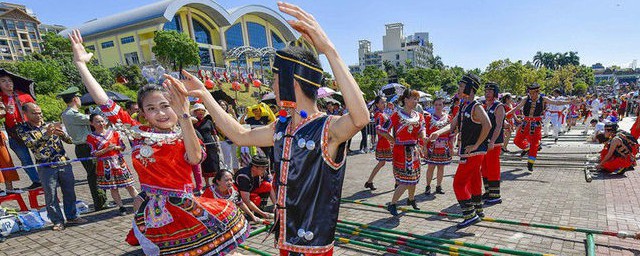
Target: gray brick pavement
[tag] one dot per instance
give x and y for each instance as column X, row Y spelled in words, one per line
column 554, row 194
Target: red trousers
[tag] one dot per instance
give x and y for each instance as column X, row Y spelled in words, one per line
column 615, row 164
column 255, row 195
column 490, row 167
column 468, row 180
column 328, row 253
column 527, row 141
column 635, row 130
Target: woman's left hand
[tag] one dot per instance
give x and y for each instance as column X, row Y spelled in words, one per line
column 179, row 102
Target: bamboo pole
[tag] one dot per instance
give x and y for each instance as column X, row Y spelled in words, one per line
column 396, row 240
column 442, row 240
column 619, row 234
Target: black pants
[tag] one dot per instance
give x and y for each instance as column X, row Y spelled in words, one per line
column 98, row 196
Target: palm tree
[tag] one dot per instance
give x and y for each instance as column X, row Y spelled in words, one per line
column 573, row 58
column 549, row 60
column 436, row 62
column 537, row 60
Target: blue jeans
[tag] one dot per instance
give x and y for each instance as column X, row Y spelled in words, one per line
column 22, row 152
column 62, row 176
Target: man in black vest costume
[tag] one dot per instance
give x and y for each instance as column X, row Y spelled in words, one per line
column 474, row 127
column 490, row 168
column 529, row 134
column 309, row 148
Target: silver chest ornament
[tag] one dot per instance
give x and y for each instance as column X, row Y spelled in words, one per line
column 145, row 154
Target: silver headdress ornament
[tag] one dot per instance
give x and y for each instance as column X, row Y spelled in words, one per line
column 154, row 75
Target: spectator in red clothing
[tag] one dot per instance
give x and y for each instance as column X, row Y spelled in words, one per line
column 253, row 186
column 13, row 97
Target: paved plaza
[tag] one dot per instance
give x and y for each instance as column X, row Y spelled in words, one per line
column 555, row 193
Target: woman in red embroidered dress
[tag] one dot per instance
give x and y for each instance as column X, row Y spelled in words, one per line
column 112, row 171
column 408, row 127
column 439, row 152
column 170, row 221
column 383, row 148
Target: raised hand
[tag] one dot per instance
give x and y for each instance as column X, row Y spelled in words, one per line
column 80, row 55
column 307, row 25
column 178, row 101
column 189, row 86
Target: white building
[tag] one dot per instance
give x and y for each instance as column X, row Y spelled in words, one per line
column 396, row 49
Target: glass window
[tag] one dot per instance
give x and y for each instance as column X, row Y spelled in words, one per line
column 257, row 35
column 25, row 44
column 276, row 41
column 201, row 32
column 108, row 44
column 10, row 24
column 205, row 57
column 126, row 40
column 174, row 24
column 4, row 42
column 234, row 36
column 91, row 47
column 21, row 25
column 35, row 45
column 31, row 26
column 32, row 35
column 13, row 33
column 131, row 58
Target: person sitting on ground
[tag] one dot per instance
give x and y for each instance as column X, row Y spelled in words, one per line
column 252, row 185
column 618, row 154
column 222, row 188
column 45, row 142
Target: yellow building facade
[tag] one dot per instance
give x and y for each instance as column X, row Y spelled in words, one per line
column 127, row 38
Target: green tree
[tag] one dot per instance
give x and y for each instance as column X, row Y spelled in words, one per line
column 132, row 73
column 371, row 80
column 175, row 49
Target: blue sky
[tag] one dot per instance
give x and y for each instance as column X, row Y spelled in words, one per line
column 467, row 33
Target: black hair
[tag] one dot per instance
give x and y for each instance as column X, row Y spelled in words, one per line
column 308, row 57
column 68, row 98
column 601, row 138
column 128, row 104
column 505, row 97
column 437, row 99
column 593, row 121
column 378, row 99
column 455, row 99
column 91, row 117
column 146, row 90
column 220, row 174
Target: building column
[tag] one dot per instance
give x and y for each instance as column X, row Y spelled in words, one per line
column 117, row 44
column 140, row 53
column 192, row 34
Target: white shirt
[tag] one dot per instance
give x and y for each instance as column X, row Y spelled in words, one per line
column 595, row 106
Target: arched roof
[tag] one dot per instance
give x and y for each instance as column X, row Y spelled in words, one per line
column 164, row 11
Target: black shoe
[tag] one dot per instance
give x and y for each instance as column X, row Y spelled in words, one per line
column 480, row 214
column 555, row 140
column 369, row 185
column 439, row 190
column 539, row 147
column 427, row 190
column 468, row 222
column 530, row 167
column 33, row 186
column 492, row 201
column 395, row 186
column 122, row 211
column 413, row 204
column 393, row 209
column 524, row 153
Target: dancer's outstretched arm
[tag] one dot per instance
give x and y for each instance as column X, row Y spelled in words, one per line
column 192, row 86
column 347, row 125
column 80, row 59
